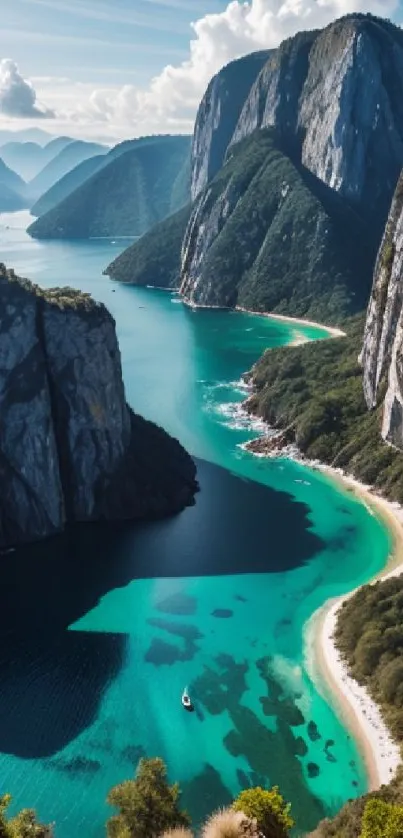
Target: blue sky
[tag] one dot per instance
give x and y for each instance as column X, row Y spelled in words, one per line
column 98, row 41
column 119, row 68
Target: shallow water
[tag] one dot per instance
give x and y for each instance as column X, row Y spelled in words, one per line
column 102, row 629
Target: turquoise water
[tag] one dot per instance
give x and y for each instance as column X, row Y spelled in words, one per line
column 110, row 626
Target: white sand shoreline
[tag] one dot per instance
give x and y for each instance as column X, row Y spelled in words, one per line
column 360, row 712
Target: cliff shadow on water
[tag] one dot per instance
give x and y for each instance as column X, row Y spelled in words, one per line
column 52, row 679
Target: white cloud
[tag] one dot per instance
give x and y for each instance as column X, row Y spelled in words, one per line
column 172, row 97
column 170, row 101
column 18, row 96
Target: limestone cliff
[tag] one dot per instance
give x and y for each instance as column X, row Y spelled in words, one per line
column 382, row 354
column 334, row 100
column 335, row 97
column 70, row 448
column 218, row 115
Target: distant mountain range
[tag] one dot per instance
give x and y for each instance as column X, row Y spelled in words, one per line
column 12, row 190
column 138, row 183
column 64, row 161
column 29, row 158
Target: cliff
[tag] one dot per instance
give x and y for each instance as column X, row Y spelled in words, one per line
column 70, row 447
column 267, row 235
column 383, row 337
column 348, row 132
column 218, row 114
column 333, row 99
column 138, row 184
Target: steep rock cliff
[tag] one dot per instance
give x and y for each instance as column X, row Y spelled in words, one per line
column 335, row 97
column 218, row 114
column 382, row 354
column 269, row 236
column 70, row 448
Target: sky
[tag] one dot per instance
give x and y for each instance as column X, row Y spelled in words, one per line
column 113, row 69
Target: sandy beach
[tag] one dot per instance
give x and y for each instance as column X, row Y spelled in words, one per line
column 336, row 333
column 359, row 712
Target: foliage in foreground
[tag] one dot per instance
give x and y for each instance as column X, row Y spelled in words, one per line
column 315, row 392
column 382, row 820
column 148, row 806
column 268, row 808
column 23, row 825
column 229, row 823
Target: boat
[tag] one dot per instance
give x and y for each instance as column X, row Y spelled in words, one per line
column 186, row 702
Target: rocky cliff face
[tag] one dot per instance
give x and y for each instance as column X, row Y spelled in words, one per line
column 382, row 354
column 334, row 99
column 264, row 235
column 70, row 448
column 218, row 115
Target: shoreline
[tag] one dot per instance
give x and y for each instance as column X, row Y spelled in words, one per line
column 352, row 702
column 330, row 673
column 332, row 330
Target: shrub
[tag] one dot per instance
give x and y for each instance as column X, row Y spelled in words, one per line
column 148, row 805
column 382, row 820
column 228, row 823
column 268, row 808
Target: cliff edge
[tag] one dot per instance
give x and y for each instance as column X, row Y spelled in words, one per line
column 70, row 447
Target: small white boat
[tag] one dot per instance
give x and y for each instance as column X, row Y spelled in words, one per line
column 186, row 702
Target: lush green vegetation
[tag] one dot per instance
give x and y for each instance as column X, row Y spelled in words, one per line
column 350, row 823
column 63, row 297
column 382, row 820
column 140, row 184
column 155, row 258
column 268, row 809
column 67, row 184
column 147, row 805
column 370, row 636
column 315, row 393
column 275, row 238
column 23, row 825
column 65, row 160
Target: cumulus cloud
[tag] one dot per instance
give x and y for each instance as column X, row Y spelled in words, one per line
column 171, row 100
column 17, row 96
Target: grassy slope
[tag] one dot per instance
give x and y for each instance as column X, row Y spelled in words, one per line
column 126, row 197
column 67, row 184
column 316, row 391
column 155, row 258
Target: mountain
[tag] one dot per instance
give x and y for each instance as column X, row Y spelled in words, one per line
column 218, row 115
column 267, row 235
column 383, row 337
column 67, row 184
column 77, row 176
column 29, row 158
column 71, row 449
column 155, row 258
column 26, row 135
column 12, row 190
column 132, row 192
column 293, row 173
column 65, row 160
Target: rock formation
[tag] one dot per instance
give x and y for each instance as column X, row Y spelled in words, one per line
column 70, row 447
column 382, row 354
column 333, row 98
column 218, row 115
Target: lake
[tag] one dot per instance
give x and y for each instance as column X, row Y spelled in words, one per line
column 101, row 629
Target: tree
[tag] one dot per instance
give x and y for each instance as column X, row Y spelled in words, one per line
column 147, row 805
column 382, row 820
column 268, row 808
column 23, row 825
